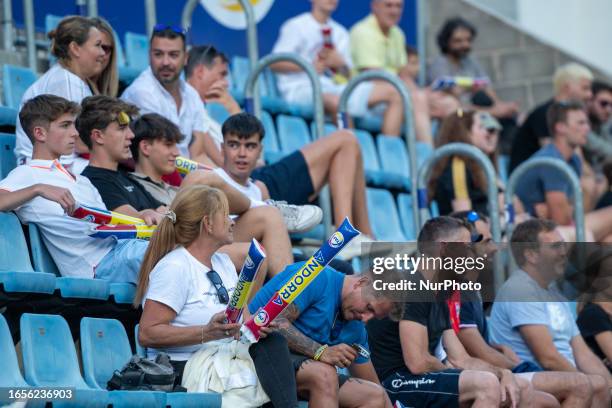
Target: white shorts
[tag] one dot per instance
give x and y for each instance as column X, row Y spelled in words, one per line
column 357, row 104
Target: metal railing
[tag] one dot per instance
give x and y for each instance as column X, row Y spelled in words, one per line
column 252, row 106
column 150, row 15
column 567, row 172
column 483, row 161
column 409, row 133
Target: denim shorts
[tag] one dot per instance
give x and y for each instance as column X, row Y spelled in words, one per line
column 122, row 263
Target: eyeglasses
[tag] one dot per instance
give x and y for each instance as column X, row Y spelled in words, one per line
column 215, row 279
column 163, row 27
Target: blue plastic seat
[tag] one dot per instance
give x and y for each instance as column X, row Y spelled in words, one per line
column 383, row 215
column 404, row 205
column 8, row 116
column 328, row 129
column 370, row 123
column 17, row 276
column 126, row 74
column 50, row 360
column 136, row 51
column 503, row 165
column 69, row 287
column 272, row 152
column 140, row 350
column 217, row 112
column 16, row 80
column 394, row 158
column 240, row 70
column 293, row 133
column 7, row 157
column 373, row 173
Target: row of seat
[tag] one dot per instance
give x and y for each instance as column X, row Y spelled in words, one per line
column 50, row 360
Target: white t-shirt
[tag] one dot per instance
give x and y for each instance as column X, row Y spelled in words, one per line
column 250, row 190
column 179, row 281
column 151, row 97
column 73, row 250
column 214, row 129
column 302, row 35
column 56, row 81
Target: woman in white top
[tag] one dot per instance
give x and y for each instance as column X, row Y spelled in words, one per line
column 185, row 285
column 77, row 44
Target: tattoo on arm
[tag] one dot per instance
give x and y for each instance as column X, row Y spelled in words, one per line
column 297, row 341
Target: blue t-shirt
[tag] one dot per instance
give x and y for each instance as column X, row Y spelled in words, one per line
column 538, row 181
column 320, row 306
column 521, row 300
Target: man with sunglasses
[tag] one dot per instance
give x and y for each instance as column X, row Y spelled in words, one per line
column 160, row 89
column 599, row 143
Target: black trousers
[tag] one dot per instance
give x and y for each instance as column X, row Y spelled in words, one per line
column 274, row 369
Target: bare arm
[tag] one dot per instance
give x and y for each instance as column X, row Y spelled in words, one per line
column 587, row 361
column 604, row 341
column 150, row 217
column 156, row 331
column 10, row 200
column 477, row 347
column 204, row 150
column 559, row 208
column 364, row 371
column 415, row 349
column 541, row 344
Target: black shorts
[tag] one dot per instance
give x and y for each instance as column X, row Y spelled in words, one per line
column 287, row 180
column 298, row 360
column 439, row 389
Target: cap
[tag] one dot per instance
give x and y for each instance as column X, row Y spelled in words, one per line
column 488, row 121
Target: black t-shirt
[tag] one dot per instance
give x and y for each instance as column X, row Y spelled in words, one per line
column 471, row 313
column 384, row 339
column 527, row 138
column 116, row 189
column 592, row 321
column 457, row 182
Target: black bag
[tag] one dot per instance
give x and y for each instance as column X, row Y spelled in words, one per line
column 143, row 374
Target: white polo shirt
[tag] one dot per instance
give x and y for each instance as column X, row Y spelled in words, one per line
column 189, row 293
column 151, row 97
column 56, row 81
column 73, row 250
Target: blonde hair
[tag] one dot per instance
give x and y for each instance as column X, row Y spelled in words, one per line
column 570, row 72
column 190, row 206
column 107, row 82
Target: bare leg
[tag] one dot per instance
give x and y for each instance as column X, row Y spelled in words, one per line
column 383, row 92
column 360, row 207
column 478, row 389
column 599, row 222
column 601, row 392
column 358, row 393
column 238, row 202
column 571, row 389
column 266, row 225
column 318, row 382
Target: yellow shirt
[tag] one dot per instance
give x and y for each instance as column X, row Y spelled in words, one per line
column 371, row 49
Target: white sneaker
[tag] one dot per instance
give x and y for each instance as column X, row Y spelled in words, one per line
column 353, row 249
column 298, row 218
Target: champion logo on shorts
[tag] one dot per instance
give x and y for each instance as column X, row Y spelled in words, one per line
column 398, row 383
column 129, row 188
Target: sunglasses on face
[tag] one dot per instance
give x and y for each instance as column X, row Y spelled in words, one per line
column 215, row 279
column 163, row 27
column 107, row 48
column 605, row 104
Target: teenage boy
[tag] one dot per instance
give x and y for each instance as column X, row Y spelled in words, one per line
column 45, row 193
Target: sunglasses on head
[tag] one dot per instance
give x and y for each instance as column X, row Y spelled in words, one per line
column 471, row 218
column 215, row 279
column 163, row 27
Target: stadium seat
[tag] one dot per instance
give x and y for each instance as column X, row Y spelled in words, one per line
column 394, row 158
column 272, row 152
column 136, row 51
column 240, row 70
column 271, row 99
column 15, row 81
column 217, row 112
column 140, row 350
column 69, row 287
column 104, row 349
column 51, row 22
column 126, row 74
column 503, row 164
column 50, row 360
column 7, row 157
column 373, row 173
column 293, row 133
column 8, row 117
column 122, row 293
column 328, row 129
column 370, row 123
column 404, row 205
column 383, row 215
column 16, row 274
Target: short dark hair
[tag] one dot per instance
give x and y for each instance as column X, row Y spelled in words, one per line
column 202, row 55
column 169, row 32
column 525, row 237
column 153, row 127
column 44, row 109
column 243, row 125
column 410, row 50
column 600, row 86
column 449, row 27
column 97, row 112
column 436, row 229
column 557, row 112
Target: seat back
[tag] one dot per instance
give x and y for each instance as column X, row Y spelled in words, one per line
column 404, row 205
column 136, row 50
column 14, row 254
column 293, row 133
column 393, row 155
column 423, row 152
column 383, row 215
column 11, row 375
column 104, row 348
column 217, row 112
column 119, row 50
column 7, row 157
column 49, row 356
column 16, row 80
column 270, row 142
column 328, row 129
column 368, row 150
column 41, row 258
column 51, row 22
column 240, row 70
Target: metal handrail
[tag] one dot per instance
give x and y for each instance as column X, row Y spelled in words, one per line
column 567, row 172
column 252, row 106
column 476, row 154
column 150, row 15
column 409, row 133
column 28, row 16
column 7, row 25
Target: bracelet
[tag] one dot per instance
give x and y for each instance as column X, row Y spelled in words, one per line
column 319, row 352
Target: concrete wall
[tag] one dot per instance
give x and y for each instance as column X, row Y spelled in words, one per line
column 520, row 66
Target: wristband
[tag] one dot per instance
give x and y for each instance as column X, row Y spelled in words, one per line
column 319, row 352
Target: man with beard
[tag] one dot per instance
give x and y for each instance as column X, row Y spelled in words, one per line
column 599, row 147
column 455, row 42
